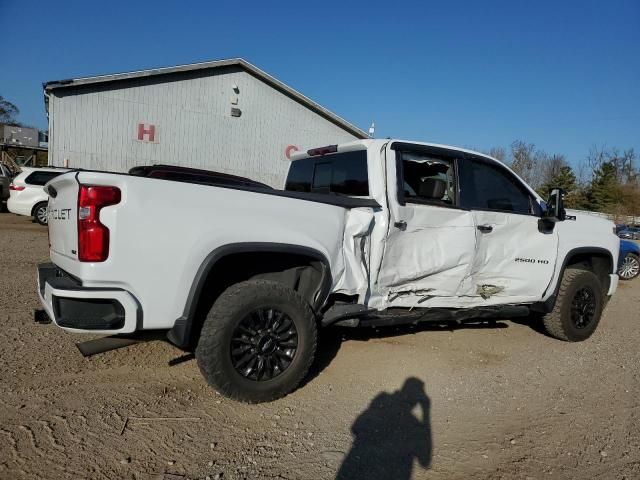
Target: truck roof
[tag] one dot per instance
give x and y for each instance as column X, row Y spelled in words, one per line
column 363, row 144
column 368, row 143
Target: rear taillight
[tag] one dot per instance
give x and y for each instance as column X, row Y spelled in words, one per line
column 93, row 236
column 16, row 188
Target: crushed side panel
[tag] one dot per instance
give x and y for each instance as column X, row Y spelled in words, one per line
column 356, row 252
column 430, row 258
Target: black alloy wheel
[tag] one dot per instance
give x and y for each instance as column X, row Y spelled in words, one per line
column 580, row 300
column 583, row 307
column 264, row 344
column 257, row 341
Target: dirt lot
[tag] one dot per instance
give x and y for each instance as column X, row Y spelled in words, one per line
column 499, row 401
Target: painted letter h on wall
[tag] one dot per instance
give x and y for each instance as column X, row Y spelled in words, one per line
column 150, row 132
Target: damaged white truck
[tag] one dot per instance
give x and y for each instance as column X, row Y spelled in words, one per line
column 368, row 233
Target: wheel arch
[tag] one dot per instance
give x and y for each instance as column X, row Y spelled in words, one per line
column 307, row 268
column 35, row 206
column 596, row 259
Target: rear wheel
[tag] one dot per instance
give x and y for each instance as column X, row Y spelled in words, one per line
column 257, row 342
column 40, row 213
column 578, row 307
column 630, row 267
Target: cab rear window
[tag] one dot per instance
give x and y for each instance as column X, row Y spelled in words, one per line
column 340, row 173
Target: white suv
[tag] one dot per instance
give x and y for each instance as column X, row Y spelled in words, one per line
column 27, row 197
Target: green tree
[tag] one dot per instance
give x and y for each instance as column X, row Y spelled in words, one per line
column 564, row 177
column 604, row 193
column 8, row 112
column 623, row 162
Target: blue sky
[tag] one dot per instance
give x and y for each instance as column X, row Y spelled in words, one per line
column 564, row 75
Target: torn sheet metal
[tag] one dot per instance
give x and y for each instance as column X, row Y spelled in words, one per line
column 403, row 292
column 486, row 291
column 356, row 252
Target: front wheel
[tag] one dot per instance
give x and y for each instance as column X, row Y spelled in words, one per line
column 40, row 213
column 630, row 267
column 578, row 307
column 257, row 342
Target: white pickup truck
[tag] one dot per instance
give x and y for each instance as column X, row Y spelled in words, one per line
column 368, row 233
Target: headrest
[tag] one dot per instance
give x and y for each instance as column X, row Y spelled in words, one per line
column 432, row 188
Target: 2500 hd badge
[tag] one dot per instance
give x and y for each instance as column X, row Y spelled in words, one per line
column 532, row 260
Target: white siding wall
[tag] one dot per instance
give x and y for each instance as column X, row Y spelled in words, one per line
column 96, row 128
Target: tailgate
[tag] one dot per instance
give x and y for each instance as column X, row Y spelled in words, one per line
column 63, row 215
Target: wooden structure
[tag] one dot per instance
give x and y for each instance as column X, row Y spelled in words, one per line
column 14, row 156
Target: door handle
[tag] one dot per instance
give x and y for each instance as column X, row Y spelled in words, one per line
column 401, row 225
column 485, row 228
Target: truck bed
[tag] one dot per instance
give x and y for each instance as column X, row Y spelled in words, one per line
column 161, row 231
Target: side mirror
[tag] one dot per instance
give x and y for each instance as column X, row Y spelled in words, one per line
column 555, row 206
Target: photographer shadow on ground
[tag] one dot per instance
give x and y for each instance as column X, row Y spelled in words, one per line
column 390, row 434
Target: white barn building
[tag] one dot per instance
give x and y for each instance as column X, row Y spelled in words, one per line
column 225, row 115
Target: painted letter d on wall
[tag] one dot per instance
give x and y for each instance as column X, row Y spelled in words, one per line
column 149, row 132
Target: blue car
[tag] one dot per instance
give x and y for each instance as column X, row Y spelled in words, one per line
column 629, row 260
column 632, row 233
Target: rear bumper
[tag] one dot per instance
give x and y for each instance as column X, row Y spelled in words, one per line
column 86, row 310
column 18, row 207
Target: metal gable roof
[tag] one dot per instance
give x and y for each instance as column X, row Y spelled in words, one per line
column 239, row 62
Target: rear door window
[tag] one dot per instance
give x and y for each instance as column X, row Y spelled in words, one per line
column 339, row 173
column 426, row 178
column 40, row 178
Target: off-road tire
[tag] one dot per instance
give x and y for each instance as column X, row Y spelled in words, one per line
column 558, row 323
column 213, row 352
column 41, row 219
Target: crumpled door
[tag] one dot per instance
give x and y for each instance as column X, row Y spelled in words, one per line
column 430, row 243
column 515, row 258
column 428, row 258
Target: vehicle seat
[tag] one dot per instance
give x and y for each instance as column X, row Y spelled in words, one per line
column 432, row 188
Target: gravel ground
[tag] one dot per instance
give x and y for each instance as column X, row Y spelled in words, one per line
column 500, row 401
